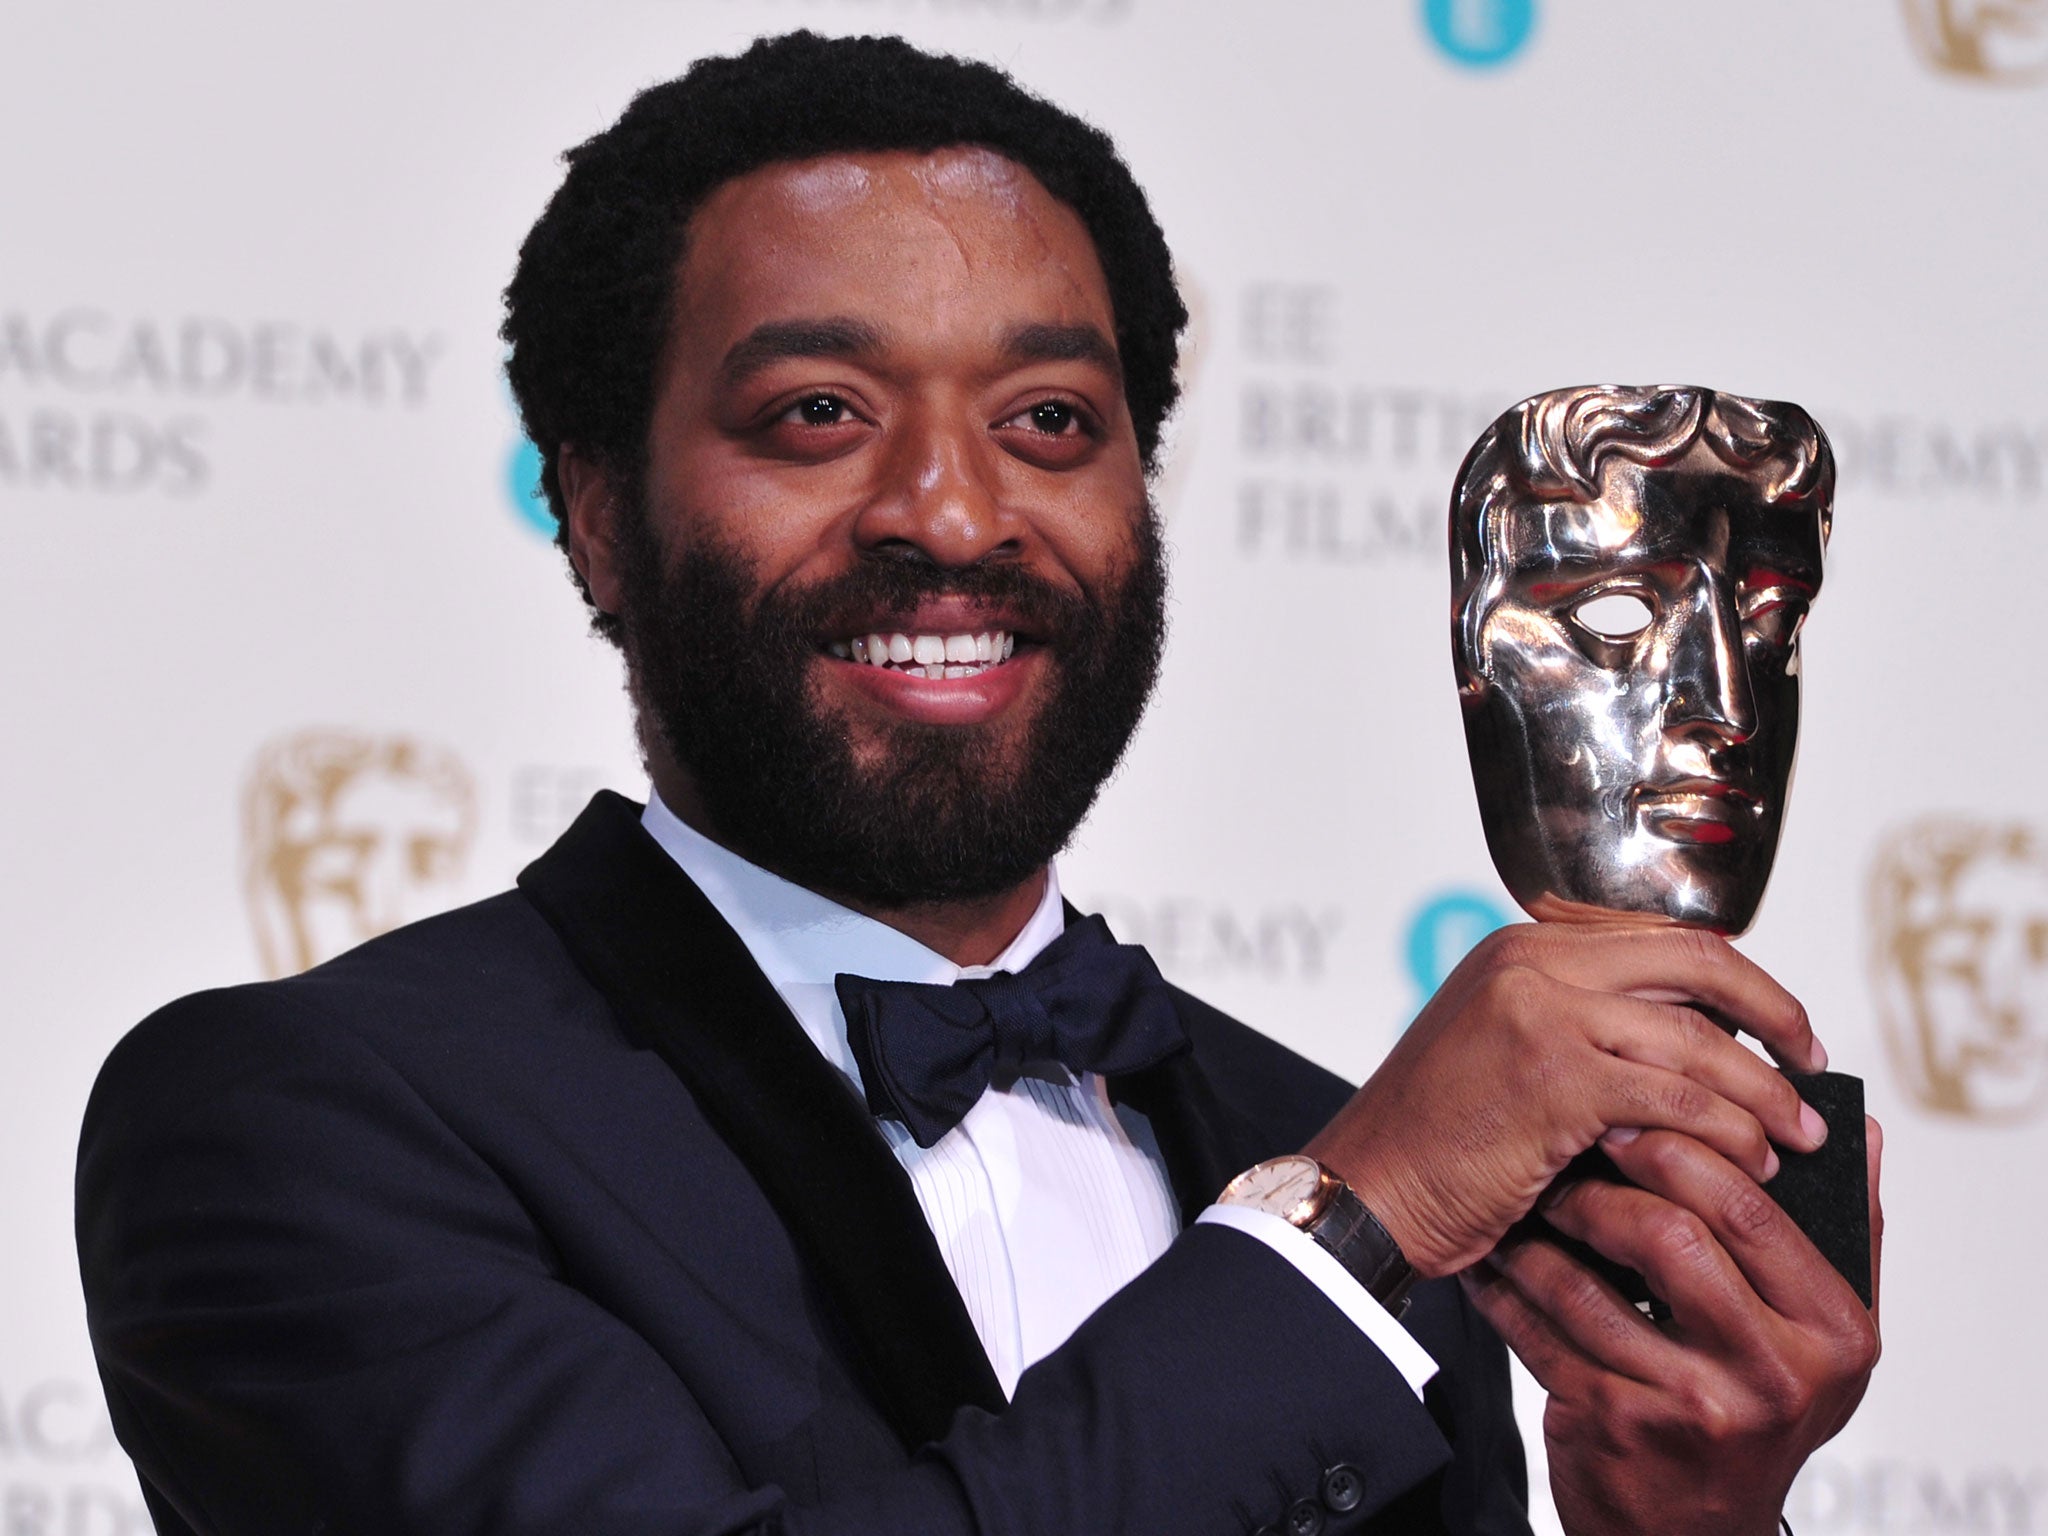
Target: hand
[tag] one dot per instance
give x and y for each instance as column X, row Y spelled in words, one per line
column 1698, row 1424
column 1545, row 1037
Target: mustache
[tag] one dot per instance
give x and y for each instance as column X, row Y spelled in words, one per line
column 884, row 583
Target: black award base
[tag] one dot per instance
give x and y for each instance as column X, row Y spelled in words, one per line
column 1826, row 1193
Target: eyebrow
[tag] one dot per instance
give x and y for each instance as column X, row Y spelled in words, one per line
column 839, row 336
column 778, row 339
column 1081, row 343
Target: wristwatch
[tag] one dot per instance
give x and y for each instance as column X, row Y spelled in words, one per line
column 1301, row 1191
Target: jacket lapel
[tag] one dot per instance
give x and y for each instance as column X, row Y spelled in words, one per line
column 682, row 983
column 1203, row 1143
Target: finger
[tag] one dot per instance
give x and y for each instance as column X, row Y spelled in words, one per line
column 1558, row 1366
column 1748, row 1229
column 1673, row 1248
column 1683, row 1040
column 1672, row 965
column 1586, row 1311
column 1873, row 1152
column 1633, row 1097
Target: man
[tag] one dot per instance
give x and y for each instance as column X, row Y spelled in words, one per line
column 624, row 1203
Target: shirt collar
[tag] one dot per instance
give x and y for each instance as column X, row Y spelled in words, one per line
column 802, row 940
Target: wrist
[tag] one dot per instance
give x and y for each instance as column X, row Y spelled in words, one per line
column 1312, row 1198
column 1397, row 1200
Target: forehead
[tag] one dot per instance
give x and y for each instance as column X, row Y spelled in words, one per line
column 1696, row 510
column 921, row 242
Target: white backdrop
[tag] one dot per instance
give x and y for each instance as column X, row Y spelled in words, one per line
column 256, row 485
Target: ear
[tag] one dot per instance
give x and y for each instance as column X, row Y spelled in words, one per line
column 591, row 508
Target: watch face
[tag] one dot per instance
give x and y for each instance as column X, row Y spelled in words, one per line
column 1287, row 1187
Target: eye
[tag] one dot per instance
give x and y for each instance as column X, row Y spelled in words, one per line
column 1614, row 615
column 820, row 411
column 1055, row 418
column 1774, row 604
column 1052, row 434
column 1775, row 618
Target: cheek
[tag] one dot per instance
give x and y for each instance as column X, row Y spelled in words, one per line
column 1578, row 718
column 1535, row 658
column 1088, row 520
column 777, row 516
column 1777, row 708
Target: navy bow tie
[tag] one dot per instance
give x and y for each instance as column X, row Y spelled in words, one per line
column 927, row 1052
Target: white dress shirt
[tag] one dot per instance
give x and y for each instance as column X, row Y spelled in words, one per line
column 1047, row 1198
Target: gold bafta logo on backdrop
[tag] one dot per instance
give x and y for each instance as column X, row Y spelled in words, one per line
column 1959, row 934
column 1996, row 40
column 346, row 835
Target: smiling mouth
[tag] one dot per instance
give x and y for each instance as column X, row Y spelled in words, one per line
column 1696, row 810
column 931, row 656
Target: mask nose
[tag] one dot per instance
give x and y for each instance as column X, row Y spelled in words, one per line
column 1707, row 689
column 938, row 499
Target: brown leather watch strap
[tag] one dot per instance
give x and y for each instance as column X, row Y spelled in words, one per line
column 1354, row 1237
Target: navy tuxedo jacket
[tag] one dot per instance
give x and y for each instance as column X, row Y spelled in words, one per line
column 545, row 1216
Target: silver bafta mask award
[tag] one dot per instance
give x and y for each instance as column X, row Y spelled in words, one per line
column 1630, row 570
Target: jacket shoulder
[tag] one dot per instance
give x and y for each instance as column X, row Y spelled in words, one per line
column 405, row 997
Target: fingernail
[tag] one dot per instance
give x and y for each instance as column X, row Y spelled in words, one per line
column 1820, row 1055
column 1771, row 1164
column 1810, row 1122
column 1620, row 1136
column 1551, row 1196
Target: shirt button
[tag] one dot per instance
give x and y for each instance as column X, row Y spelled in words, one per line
column 1304, row 1518
column 1343, row 1489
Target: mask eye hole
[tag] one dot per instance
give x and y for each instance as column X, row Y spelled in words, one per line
column 1615, row 615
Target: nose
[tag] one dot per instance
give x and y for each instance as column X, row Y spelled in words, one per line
column 1707, row 689
column 938, row 496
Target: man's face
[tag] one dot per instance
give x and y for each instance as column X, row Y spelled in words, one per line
column 1634, row 747
column 891, row 419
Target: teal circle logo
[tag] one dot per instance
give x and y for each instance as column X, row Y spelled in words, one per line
column 522, row 485
column 1480, row 33
column 1443, row 931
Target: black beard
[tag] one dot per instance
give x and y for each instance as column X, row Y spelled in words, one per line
column 949, row 813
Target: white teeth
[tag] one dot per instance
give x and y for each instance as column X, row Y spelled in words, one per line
column 929, row 655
